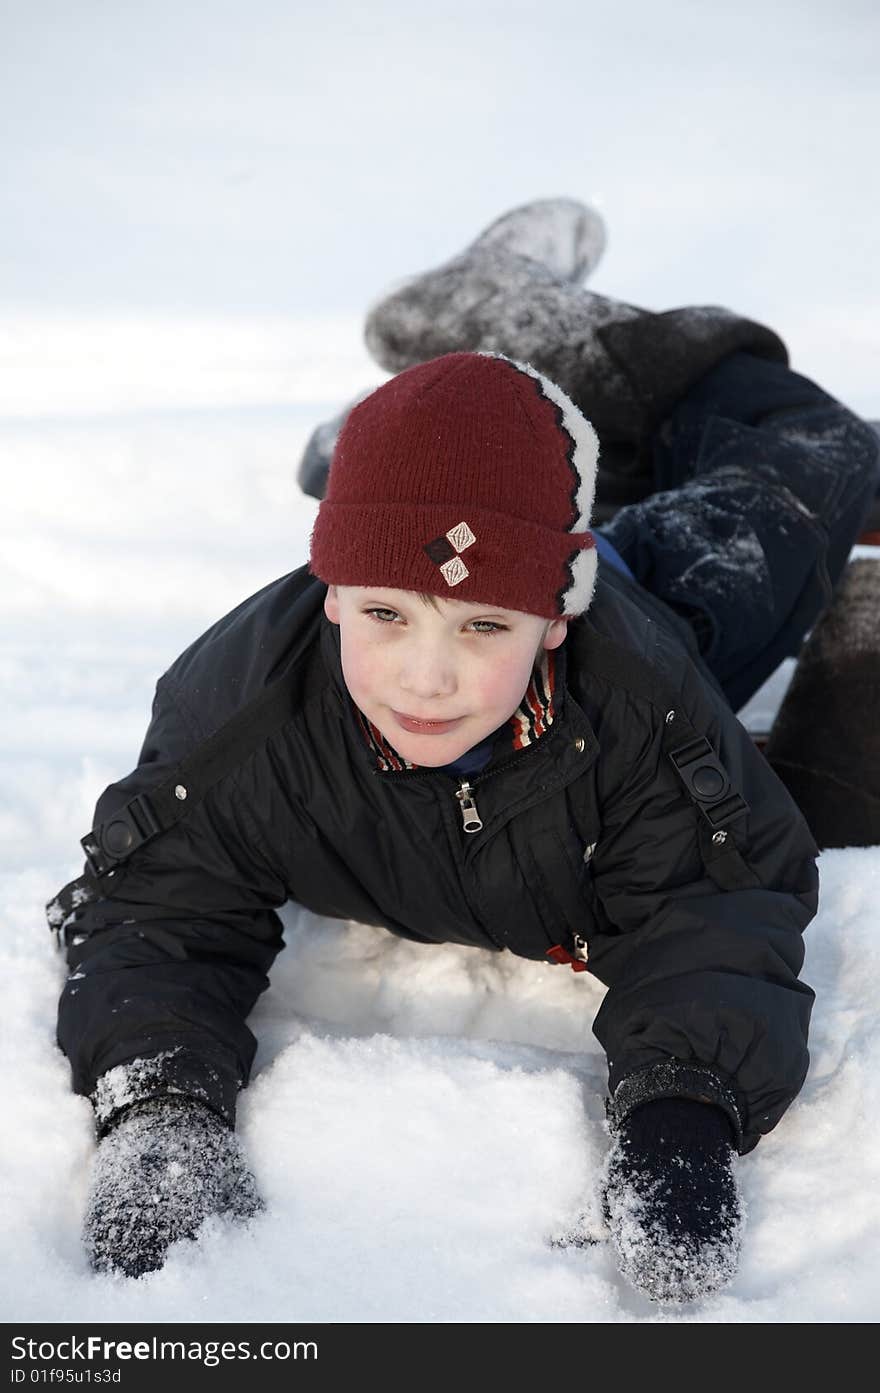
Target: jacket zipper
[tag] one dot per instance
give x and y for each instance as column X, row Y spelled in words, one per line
column 465, row 793
column 469, row 815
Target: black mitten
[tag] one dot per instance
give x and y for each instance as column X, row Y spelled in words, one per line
column 166, row 1166
column 671, row 1200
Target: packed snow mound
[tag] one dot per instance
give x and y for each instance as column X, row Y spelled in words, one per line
column 425, row 1124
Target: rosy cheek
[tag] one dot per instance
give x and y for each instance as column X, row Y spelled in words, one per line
column 359, row 671
column 488, row 685
column 502, row 684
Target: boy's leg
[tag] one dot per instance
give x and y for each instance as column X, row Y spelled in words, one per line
column 765, row 481
column 624, row 366
column 548, row 246
column 825, row 740
column 515, row 290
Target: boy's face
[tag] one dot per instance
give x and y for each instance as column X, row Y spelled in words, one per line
column 435, row 681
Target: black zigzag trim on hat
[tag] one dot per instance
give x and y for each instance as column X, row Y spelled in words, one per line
column 575, row 485
column 581, row 454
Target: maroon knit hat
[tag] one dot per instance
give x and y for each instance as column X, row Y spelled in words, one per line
column 471, row 477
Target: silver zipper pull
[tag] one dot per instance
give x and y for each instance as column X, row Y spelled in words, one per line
column 581, row 951
column 469, row 815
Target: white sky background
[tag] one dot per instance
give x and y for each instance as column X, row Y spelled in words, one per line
column 206, row 162
column 198, row 203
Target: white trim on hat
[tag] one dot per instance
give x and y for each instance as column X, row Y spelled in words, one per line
column 584, row 569
column 584, row 461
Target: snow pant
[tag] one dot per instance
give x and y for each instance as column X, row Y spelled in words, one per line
column 763, row 482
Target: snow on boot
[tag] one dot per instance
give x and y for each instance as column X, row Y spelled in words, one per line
column 825, row 741
column 671, row 1200
column 166, row 1166
column 492, row 300
column 565, row 236
column 623, row 366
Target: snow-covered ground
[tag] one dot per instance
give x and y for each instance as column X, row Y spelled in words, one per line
column 424, row 1120
column 196, row 221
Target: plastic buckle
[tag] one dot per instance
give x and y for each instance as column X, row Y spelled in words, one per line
column 114, row 841
column 707, row 782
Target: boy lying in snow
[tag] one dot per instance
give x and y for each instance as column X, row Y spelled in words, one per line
column 472, row 719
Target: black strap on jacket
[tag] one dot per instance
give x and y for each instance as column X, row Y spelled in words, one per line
column 723, row 810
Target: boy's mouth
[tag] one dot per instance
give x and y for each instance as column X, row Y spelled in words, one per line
column 416, row 726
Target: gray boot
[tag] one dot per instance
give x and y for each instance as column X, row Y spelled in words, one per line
column 566, row 237
column 511, row 293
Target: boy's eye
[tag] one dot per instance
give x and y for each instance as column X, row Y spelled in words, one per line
column 488, row 627
column 384, row 616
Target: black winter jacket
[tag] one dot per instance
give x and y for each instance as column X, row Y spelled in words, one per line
column 589, row 833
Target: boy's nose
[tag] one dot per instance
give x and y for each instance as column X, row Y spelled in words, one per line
column 428, row 673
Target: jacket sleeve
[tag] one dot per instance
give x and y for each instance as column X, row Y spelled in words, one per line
column 704, row 999
column 166, row 967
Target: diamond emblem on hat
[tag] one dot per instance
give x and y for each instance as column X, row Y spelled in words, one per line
column 454, row 571
column 444, row 552
column 461, row 536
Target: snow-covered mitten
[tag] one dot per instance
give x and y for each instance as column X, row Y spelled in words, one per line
column 671, row 1200
column 624, row 367
column 167, row 1165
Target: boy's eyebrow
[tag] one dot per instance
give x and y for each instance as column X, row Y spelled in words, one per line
column 469, row 609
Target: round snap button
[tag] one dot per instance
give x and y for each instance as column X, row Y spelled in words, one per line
column 707, row 781
column 117, row 837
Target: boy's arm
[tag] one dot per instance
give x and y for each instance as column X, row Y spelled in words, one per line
column 165, row 969
column 704, row 998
